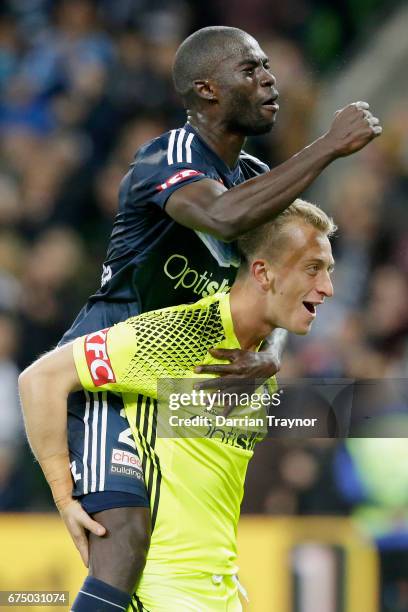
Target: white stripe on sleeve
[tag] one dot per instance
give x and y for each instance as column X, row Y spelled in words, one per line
column 94, row 442
column 188, row 147
column 170, row 147
column 180, row 145
column 105, row 600
column 103, row 442
column 86, row 443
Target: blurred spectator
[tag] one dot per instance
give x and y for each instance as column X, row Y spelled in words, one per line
column 9, row 49
column 10, row 421
column 71, row 55
column 10, row 212
column 10, row 416
column 47, row 298
column 386, row 323
column 12, row 254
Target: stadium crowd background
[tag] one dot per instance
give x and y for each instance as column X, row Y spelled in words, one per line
column 82, row 85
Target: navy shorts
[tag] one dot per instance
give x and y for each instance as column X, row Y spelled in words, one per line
column 103, row 453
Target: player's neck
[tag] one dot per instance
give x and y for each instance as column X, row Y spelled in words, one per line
column 248, row 316
column 225, row 144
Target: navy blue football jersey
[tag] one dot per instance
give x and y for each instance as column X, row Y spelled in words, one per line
column 153, row 261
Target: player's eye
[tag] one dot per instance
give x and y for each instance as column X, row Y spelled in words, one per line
column 313, row 270
column 249, row 70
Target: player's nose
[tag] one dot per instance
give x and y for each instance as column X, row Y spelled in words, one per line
column 326, row 286
column 269, row 80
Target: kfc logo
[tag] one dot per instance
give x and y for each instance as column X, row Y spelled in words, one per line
column 176, row 178
column 97, row 358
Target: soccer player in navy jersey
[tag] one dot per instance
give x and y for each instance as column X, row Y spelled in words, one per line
column 187, row 196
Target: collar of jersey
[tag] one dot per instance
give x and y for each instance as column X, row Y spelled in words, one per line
column 220, row 163
column 228, row 324
column 226, row 318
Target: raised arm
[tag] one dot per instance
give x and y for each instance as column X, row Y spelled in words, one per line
column 44, row 388
column 207, row 206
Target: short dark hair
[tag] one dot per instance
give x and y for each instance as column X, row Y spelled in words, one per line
column 198, row 56
column 267, row 240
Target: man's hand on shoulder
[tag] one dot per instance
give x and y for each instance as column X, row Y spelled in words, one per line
column 353, row 127
column 78, row 522
column 246, row 372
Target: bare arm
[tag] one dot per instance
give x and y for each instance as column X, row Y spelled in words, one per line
column 207, row 206
column 44, row 388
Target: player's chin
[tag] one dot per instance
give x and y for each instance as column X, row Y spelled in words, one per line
column 262, row 127
column 302, row 328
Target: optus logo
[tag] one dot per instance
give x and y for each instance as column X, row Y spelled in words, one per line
column 201, row 283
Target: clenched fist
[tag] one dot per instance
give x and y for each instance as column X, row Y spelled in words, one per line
column 353, row 127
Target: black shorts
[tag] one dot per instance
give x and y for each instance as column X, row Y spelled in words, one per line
column 102, row 451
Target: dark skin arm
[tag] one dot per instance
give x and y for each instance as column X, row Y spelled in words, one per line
column 208, row 206
column 227, row 214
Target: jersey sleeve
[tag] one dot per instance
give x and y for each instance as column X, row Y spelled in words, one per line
column 132, row 356
column 103, row 357
column 165, row 165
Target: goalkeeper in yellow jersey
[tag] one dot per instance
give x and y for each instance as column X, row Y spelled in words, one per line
column 195, row 485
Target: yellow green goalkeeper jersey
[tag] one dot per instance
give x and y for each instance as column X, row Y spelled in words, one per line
column 195, row 484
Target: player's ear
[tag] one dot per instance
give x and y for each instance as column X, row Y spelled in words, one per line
column 262, row 274
column 206, row 90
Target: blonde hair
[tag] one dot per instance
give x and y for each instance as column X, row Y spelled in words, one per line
column 270, row 237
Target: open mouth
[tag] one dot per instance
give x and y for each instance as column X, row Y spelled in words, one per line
column 310, row 307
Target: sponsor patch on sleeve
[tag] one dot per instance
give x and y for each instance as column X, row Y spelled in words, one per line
column 182, row 175
column 97, row 358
